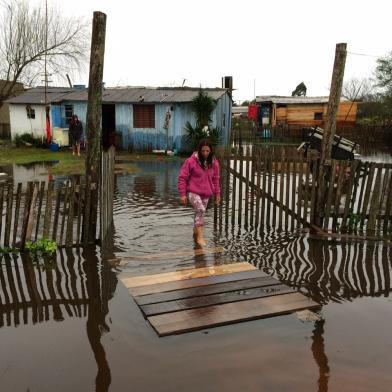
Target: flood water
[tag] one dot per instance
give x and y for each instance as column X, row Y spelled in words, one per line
column 70, row 325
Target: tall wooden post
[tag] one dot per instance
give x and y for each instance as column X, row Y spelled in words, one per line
column 94, row 117
column 330, row 127
column 334, row 100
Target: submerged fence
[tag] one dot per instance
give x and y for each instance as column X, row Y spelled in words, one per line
column 277, row 188
column 43, row 211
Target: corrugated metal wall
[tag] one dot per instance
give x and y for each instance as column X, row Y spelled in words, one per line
column 144, row 139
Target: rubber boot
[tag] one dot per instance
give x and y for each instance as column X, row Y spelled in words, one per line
column 200, row 237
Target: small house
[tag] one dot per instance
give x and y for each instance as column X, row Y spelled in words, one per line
column 302, row 111
column 140, row 118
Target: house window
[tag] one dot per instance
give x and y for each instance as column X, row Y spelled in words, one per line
column 318, row 116
column 30, row 112
column 68, row 113
column 143, row 116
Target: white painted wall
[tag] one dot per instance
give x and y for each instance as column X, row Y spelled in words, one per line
column 20, row 123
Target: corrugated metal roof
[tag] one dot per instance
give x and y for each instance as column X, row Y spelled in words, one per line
column 118, row 94
column 147, row 94
column 37, row 95
column 287, row 99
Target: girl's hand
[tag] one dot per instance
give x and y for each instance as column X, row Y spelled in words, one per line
column 217, row 199
column 183, row 200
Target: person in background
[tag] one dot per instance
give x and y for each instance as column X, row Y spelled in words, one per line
column 198, row 180
column 75, row 132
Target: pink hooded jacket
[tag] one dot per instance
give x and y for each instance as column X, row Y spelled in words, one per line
column 193, row 178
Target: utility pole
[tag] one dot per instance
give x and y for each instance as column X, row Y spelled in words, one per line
column 94, row 117
column 330, row 127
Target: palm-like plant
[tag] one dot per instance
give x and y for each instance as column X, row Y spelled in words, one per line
column 202, row 105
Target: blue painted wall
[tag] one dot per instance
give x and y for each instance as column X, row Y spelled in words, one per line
column 143, row 139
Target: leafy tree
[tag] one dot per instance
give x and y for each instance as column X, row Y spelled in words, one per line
column 299, row 91
column 25, row 41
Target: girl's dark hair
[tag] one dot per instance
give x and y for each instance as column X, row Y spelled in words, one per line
column 205, row 162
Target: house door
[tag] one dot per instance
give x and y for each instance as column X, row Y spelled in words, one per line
column 108, row 125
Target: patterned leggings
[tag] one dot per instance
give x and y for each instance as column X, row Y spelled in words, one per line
column 199, row 204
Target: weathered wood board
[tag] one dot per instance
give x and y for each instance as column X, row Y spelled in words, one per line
column 192, row 299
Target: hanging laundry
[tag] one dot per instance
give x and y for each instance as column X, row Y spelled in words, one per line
column 253, row 112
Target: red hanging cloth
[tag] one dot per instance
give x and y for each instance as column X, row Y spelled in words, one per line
column 253, row 112
column 48, row 133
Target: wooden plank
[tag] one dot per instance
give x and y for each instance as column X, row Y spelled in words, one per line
column 330, row 195
column 233, row 197
column 281, row 186
column 195, row 282
column 374, row 201
column 30, row 222
column 275, row 209
column 40, row 201
column 27, row 201
column 313, row 193
column 48, row 209
column 8, row 219
column 16, row 216
column 366, row 197
column 65, row 212
column 241, row 183
column 388, row 207
column 227, row 192
column 213, row 316
column 258, row 183
column 269, row 204
column 338, row 193
column 263, row 168
column 299, row 193
column 205, row 290
column 307, row 193
column 79, row 214
column 56, row 214
column 70, row 220
column 382, row 200
column 214, row 299
column 293, row 191
column 253, row 173
column 247, row 174
column 187, row 274
column 288, row 179
column 349, row 195
column 365, row 167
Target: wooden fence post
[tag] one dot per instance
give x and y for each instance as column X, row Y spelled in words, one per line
column 330, row 126
column 94, row 115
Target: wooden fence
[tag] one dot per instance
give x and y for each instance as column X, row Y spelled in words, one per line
column 265, row 189
column 41, row 210
column 107, row 192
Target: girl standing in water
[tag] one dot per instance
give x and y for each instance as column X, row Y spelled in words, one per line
column 197, row 182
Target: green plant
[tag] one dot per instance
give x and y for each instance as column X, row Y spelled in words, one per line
column 195, row 134
column 27, row 139
column 353, row 220
column 42, row 247
column 202, row 105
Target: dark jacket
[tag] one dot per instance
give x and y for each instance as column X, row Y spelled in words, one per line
column 76, row 130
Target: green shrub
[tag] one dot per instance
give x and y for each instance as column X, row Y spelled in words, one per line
column 27, row 139
column 42, row 247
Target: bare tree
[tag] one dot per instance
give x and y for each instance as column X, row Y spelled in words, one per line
column 25, row 39
column 356, row 89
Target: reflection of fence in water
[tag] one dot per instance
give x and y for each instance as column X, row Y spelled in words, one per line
column 31, row 293
column 328, row 272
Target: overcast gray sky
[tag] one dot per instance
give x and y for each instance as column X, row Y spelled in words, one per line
column 272, row 45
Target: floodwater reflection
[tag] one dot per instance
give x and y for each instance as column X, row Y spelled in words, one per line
column 73, row 285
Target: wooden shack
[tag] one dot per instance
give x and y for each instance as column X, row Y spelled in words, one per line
column 302, row 111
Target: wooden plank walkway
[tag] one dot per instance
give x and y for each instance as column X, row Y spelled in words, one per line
column 193, row 299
